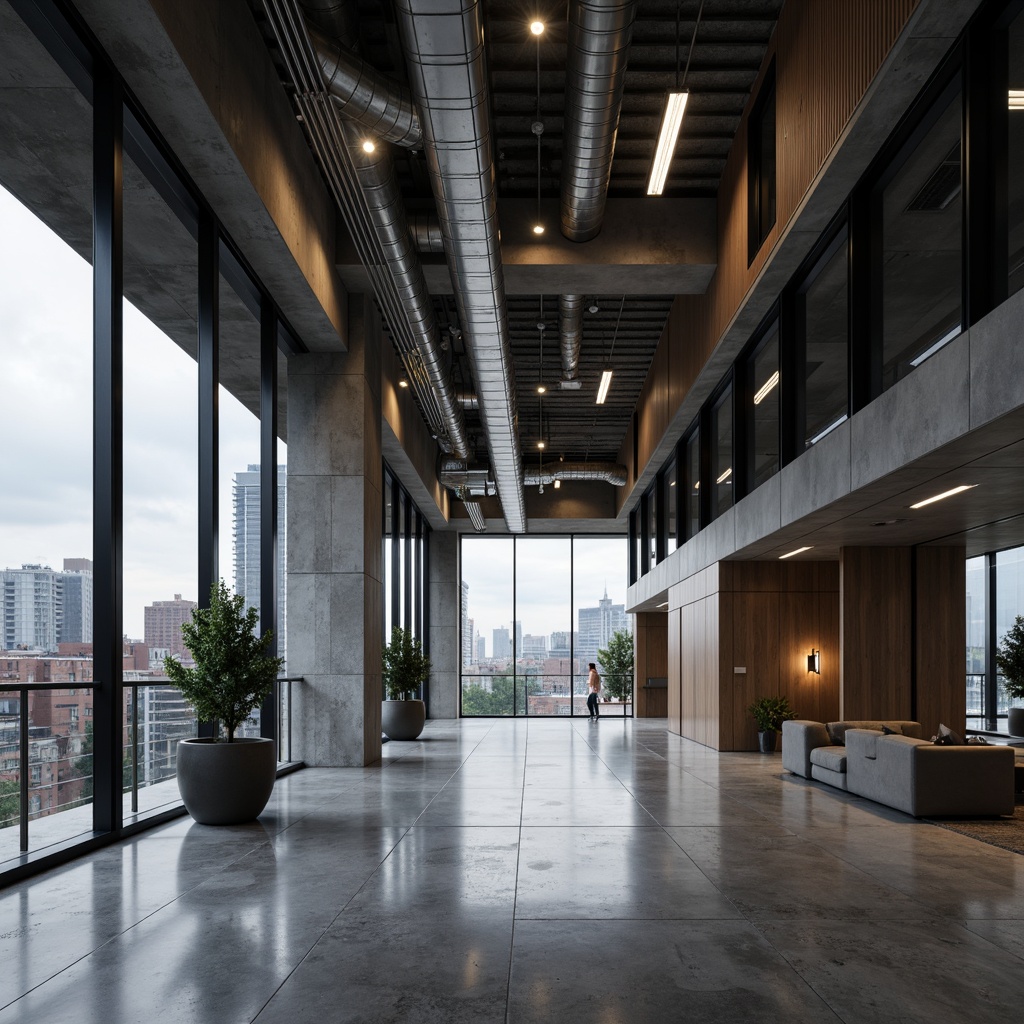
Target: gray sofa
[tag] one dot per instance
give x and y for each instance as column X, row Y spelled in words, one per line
column 902, row 771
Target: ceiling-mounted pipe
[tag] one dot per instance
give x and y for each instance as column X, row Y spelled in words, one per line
column 613, row 473
column 598, row 45
column 476, row 516
column 444, row 47
column 467, row 399
column 426, row 232
column 373, row 100
column 570, row 333
column 376, row 172
column 324, row 126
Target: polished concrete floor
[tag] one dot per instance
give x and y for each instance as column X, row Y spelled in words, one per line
column 529, row 871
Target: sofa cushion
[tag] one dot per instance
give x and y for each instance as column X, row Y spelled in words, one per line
column 837, row 730
column 833, row 758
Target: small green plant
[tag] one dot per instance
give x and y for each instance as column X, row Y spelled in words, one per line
column 233, row 672
column 617, row 664
column 1010, row 659
column 771, row 712
column 404, row 665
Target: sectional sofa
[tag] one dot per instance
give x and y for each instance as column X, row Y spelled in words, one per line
column 901, row 770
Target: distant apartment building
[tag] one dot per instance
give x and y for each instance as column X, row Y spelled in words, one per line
column 76, row 625
column 246, row 539
column 162, row 625
column 466, row 632
column 43, row 607
column 533, row 646
column 598, row 625
column 559, row 645
column 501, row 644
column 481, row 649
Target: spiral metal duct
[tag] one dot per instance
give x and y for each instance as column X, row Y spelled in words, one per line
column 327, row 136
column 426, row 233
column 365, row 95
column 444, row 46
column 570, row 333
column 598, row 46
column 613, row 473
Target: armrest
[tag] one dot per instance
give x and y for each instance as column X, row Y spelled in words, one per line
column 963, row 780
column 799, row 738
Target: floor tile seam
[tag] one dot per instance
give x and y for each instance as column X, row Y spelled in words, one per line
column 965, row 923
column 714, row 885
column 515, row 891
column 330, row 924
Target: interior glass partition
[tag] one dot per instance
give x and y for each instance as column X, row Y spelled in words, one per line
column 534, row 612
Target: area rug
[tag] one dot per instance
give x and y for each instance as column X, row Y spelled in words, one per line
column 1006, row 833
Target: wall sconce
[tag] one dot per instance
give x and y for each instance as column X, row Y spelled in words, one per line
column 814, row 662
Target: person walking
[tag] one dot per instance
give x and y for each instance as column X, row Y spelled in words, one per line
column 594, row 685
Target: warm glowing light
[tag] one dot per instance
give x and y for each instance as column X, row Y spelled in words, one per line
column 536, row 27
column 538, row 229
column 403, row 383
column 606, row 383
column 673, row 119
column 558, row 484
column 368, row 146
column 944, row 494
column 790, row 554
column 1017, row 99
column 540, row 444
column 541, row 389
column 766, row 388
column 725, row 476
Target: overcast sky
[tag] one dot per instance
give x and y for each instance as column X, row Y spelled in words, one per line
column 543, row 601
column 46, row 504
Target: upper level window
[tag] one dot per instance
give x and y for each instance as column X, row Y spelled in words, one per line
column 652, row 525
column 1015, row 154
column 919, row 210
column 671, row 502
column 822, row 324
column 691, row 485
column 722, row 468
column 763, row 410
column 761, row 165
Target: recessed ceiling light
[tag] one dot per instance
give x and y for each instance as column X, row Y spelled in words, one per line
column 541, row 389
column 593, row 308
column 403, row 383
column 368, row 146
column 540, row 444
column 944, row 494
column 798, row 551
column 536, row 27
column 538, row 229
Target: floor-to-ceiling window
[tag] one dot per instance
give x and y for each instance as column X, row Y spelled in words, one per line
column 535, row 612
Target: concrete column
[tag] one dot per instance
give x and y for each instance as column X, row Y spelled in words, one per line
column 335, row 588
column 444, row 625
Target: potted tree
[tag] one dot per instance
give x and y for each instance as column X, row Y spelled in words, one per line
column 225, row 780
column 1010, row 662
column 404, row 669
column 770, row 713
column 617, row 663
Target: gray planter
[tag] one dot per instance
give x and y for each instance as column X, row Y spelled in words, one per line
column 1015, row 722
column 766, row 741
column 403, row 719
column 226, row 783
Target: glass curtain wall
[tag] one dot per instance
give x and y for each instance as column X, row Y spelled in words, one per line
column 534, row 612
column 406, row 537
column 113, row 396
column 46, row 305
column 1014, row 115
column 722, row 454
column 692, row 484
column 763, row 414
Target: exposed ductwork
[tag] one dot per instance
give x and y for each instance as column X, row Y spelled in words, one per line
column 444, row 46
column 468, row 400
column 465, row 482
column 365, row 95
column 598, row 45
column 376, row 172
column 426, row 233
column 327, row 137
column 476, row 516
column 570, row 333
column 613, row 473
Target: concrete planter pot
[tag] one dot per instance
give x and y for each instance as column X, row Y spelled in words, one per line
column 403, row 719
column 226, row 783
column 1015, row 721
column 766, row 741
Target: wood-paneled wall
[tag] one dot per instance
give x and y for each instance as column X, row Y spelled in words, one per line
column 764, row 618
column 875, row 633
column 940, row 637
column 651, row 660
column 826, row 55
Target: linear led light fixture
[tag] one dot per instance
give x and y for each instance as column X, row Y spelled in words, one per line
column 1016, row 99
column 945, row 494
column 932, row 349
column 766, row 388
column 828, row 430
column 606, row 383
column 725, row 476
column 798, row 551
column 674, row 109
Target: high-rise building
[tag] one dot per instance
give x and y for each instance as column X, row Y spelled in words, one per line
column 246, row 538
column 76, row 624
column 533, row 646
column 481, row 649
column 518, row 627
column 501, row 646
column 33, row 607
column 162, row 625
column 466, row 631
column 597, row 626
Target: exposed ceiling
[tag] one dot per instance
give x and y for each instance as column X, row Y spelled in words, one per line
column 624, row 332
